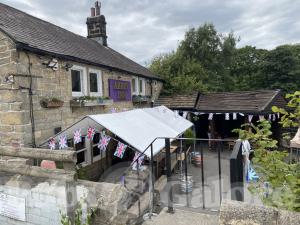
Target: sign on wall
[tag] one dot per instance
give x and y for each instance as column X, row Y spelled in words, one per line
column 119, row 90
column 12, row 207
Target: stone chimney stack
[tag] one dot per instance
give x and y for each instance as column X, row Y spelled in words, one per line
column 96, row 25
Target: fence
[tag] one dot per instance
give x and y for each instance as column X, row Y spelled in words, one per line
column 162, row 166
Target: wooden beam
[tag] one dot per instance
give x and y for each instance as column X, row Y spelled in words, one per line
column 37, row 153
column 34, row 171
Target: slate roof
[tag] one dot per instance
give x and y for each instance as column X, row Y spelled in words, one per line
column 254, row 102
column 187, row 101
column 260, row 101
column 33, row 34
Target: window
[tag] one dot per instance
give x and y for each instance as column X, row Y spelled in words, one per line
column 95, row 150
column 95, row 82
column 138, row 86
column 78, row 81
column 133, row 83
column 142, row 86
column 81, row 151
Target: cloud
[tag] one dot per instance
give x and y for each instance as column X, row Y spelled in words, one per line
column 143, row 29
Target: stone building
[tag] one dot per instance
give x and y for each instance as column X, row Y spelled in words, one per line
column 51, row 77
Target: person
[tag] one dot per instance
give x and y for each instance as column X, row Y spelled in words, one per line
column 209, row 135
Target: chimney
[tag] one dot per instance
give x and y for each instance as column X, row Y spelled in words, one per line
column 97, row 7
column 96, row 25
column 93, row 12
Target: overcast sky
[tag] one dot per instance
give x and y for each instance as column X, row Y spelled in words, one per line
column 142, row 29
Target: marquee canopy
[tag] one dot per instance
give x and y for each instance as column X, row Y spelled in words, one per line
column 138, row 128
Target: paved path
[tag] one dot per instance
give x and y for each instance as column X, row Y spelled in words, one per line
column 181, row 217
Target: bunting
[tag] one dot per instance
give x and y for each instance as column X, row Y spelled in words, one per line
column 234, row 116
column 210, row 116
column 52, row 144
column 104, row 141
column 120, row 150
column 137, row 160
column 90, row 133
column 250, row 117
column 227, row 117
column 62, row 143
column 77, row 136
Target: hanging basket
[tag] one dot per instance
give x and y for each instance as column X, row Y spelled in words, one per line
column 45, row 103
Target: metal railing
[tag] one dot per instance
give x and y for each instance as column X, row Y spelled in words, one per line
column 197, row 147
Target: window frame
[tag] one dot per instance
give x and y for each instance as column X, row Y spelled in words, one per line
column 99, row 83
column 85, row 149
column 135, row 87
column 143, row 92
column 83, row 81
column 97, row 157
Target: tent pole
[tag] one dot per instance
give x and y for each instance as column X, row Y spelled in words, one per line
column 151, row 183
column 169, row 174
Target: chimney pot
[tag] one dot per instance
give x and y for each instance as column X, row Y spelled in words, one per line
column 97, row 6
column 93, row 11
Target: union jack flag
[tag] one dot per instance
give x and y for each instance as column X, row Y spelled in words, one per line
column 120, row 150
column 90, row 133
column 103, row 142
column 77, row 136
column 52, row 144
column 137, row 160
column 62, row 142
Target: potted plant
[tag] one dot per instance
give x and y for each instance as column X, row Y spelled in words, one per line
column 105, row 100
column 51, row 103
column 89, row 101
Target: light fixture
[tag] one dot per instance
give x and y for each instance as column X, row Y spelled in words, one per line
column 9, row 79
column 68, row 66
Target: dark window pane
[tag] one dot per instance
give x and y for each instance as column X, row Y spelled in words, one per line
column 70, row 143
column 76, row 81
column 80, row 145
column 96, row 138
column 80, row 157
column 133, row 85
column 96, row 151
column 141, row 86
column 93, row 82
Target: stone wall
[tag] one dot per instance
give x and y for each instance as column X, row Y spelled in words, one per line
column 46, row 200
column 235, row 213
column 15, row 121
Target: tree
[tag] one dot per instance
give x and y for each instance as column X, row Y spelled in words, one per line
column 246, row 68
column 203, row 60
column 271, row 164
column 281, row 68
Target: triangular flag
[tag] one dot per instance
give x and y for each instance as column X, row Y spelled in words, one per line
column 261, row 117
column 234, row 116
column 52, row 144
column 274, row 117
column 210, row 116
column 184, row 115
column 227, row 117
column 250, row 117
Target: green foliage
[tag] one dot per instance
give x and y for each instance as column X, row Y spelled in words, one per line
column 189, row 134
column 206, row 60
column 200, row 63
column 78, row 220
column 272, row 165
